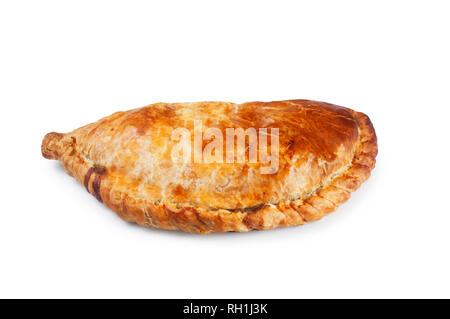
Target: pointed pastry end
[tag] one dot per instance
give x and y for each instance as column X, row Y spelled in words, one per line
column 49, row 147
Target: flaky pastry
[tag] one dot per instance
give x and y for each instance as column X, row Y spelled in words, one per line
column 126, row 161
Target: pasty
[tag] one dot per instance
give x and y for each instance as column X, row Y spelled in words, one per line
column 219, row 166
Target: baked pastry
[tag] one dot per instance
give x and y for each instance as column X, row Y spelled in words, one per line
column 126, row 160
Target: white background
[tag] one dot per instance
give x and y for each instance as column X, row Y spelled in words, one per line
column 64, row 64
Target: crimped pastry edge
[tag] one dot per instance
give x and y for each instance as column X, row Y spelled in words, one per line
column 198, row 220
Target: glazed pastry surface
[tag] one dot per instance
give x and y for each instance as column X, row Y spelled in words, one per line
column 126, row 161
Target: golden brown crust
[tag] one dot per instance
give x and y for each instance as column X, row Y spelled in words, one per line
column 334, row 181
column 49, row 148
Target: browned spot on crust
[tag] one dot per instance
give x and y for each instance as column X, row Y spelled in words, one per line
column 99, row 171
column 96, row 187
column 180, row 192
column 148, row 117
column 87, row 177
column 305, row 126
